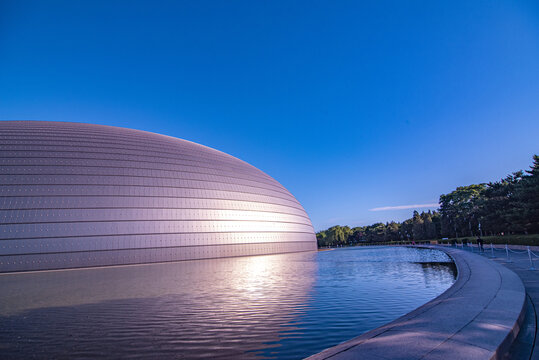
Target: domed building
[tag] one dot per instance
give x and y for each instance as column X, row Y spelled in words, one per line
column 81, row 195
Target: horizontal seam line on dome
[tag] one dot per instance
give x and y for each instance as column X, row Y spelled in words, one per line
column 145, row 139
column 135, row 168
column 230, row 162
column 147, row 221
column 50, row 136
column 148, row 196
column 36, row 138
column 77, row 166
column 144, row 177
column 156, row 248
column 137, row 137
column 291, row 199
column 127, row 138
column 123, row 209
column 254, row 178
column 132, row 146
column 144, row 208
column 121, row 134
column 235, row 168
column 226, row 191
column 155, row 187
column 147, row 234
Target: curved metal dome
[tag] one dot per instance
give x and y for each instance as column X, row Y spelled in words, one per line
column 79, row 195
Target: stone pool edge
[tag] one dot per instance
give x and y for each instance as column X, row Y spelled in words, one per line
column 478, row 317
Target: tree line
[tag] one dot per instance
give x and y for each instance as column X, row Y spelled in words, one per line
column 507, row 206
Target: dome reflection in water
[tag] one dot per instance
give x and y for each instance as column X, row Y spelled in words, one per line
column 274, row 306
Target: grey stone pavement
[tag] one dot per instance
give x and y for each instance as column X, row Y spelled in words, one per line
column 525, row 346
column 479, row 317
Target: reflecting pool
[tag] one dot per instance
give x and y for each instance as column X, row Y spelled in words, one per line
column 285, row 306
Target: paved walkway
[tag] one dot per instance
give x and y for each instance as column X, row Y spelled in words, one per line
column 525, row 346
column 477, row 318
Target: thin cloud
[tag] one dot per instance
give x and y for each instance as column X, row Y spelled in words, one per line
column 403, row 207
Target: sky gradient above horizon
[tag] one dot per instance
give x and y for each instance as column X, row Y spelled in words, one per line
column 365, row 110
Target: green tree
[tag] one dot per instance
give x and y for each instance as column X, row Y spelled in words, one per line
column 375, row 232
column 321, row 239
column 525, row 207
column 429, row 226
column 418, row 229
column 437, row 221
column 460, row 211
column 495, row 205
column 407, row 230
column 392, row 231
column 358, row 235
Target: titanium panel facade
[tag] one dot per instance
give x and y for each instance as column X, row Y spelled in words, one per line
column 81, row 195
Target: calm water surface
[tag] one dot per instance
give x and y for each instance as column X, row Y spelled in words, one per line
column 278, row 306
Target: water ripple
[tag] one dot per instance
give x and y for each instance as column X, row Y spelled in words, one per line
column 279, row 306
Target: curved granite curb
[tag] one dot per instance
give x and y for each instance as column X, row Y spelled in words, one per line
column 476, row 318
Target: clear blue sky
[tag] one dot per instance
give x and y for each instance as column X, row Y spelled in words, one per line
column 351, row 105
